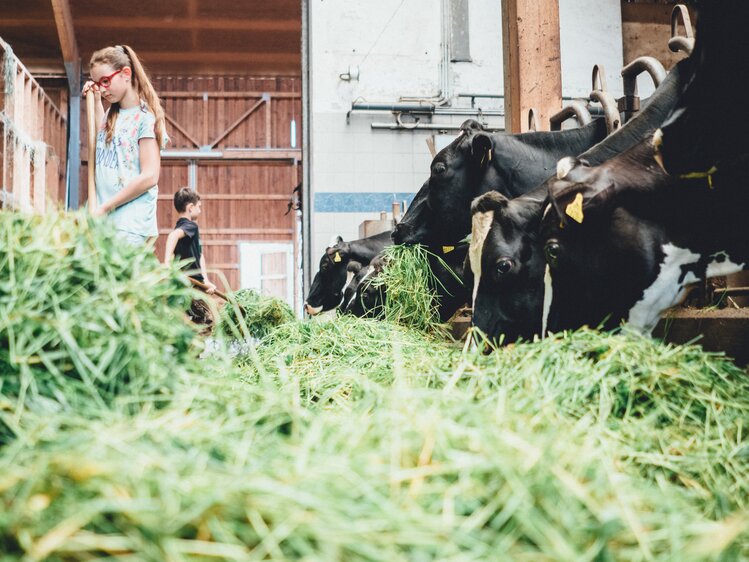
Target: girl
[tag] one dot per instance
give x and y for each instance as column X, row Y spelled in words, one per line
column 130, row 135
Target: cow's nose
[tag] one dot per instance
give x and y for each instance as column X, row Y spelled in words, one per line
column 312, row 311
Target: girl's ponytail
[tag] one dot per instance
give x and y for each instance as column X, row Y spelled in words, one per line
column 119, row 57
column 146, row 91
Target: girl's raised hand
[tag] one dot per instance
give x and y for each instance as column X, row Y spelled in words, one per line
column 90, row 85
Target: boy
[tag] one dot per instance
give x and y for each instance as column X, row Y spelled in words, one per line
column 184, row 241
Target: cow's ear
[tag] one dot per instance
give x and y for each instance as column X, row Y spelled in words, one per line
column 338, row 240
column 490, row 201
column 481, row 149
column 338, row 253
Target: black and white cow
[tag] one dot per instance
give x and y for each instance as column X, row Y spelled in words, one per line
column 507, row 251
column 675, row 206
column 477, row 162
column 326, row 291
column 623, row 240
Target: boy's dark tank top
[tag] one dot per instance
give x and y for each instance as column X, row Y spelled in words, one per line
column 188, row 247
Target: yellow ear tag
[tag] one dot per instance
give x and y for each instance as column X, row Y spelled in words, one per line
column 447, row 249
column 337, row 257
column 575, row 209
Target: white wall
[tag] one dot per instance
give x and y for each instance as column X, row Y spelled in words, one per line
column 396, row 46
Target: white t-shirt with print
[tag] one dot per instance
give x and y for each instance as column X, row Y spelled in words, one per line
column 118, row 162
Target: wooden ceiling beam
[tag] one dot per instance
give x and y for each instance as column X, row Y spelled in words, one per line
column 66, row 30
column 221, row 24
column 250, row 57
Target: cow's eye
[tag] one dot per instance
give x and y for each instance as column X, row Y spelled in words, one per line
column 504, row 266
column 551, row 253
column 440, row 168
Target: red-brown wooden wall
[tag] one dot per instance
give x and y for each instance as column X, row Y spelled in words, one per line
column 246, row 194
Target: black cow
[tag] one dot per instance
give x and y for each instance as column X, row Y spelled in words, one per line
column 477, row 162
column 507, row 253
column 326, row 292
column 683, row 192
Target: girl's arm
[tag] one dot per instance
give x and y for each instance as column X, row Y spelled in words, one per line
column 150, row 167
column 171, row 244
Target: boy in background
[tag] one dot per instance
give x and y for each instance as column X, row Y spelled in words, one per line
column 183, row 243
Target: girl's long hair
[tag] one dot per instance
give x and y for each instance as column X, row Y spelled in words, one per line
column 118, row 57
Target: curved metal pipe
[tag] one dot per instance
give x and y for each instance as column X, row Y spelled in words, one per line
column 610, row 109
column 577, row 109
column 684, row 43
column 630, row 103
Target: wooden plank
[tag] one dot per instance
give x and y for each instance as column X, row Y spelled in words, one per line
column 532, row 62
column 724, row 330
column 262, row 154
column 268, row 124
column 202, row 23
column 236, row 197
column 228, row 95
column 218, row 58
column 241, row 231
column 646, row 29
column 234, row 125
column 179, row 127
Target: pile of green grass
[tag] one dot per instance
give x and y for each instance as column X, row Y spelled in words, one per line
column 352, row 439
column 85, row 319
column 462, row 464
column 252, row 315
column 409, row 282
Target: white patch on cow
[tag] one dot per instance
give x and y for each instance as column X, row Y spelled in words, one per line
column 666, row 291
column 546, row 210
column 312, row 310
column 349, row 278
column 481, row 223
column 548, row 295
column 725, row 267
column 564, row 167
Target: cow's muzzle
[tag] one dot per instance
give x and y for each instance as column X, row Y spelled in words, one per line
column 312, row 310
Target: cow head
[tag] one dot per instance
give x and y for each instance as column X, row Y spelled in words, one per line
column 440, row 213
column 507, row 264
column 326, row 290
column 601, row 257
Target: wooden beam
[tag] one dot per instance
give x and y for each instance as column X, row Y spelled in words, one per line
column 65, row 30
column 177, row 126
column 250, row 57
column 201, row 24
column 532, row 62
column 237, row 197
column 228, row 95
column 230, row 231
column 72, row 61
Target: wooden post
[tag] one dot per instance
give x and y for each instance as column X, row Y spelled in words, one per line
column 92, row 129
column 532, row 62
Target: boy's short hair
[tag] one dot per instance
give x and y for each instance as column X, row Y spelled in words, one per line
column 184, row 197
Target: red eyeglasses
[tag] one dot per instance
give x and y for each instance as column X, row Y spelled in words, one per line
column 106, row 81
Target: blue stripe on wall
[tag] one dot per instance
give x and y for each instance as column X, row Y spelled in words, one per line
column 371, row 202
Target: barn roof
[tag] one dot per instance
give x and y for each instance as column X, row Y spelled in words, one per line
column 171, row 36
